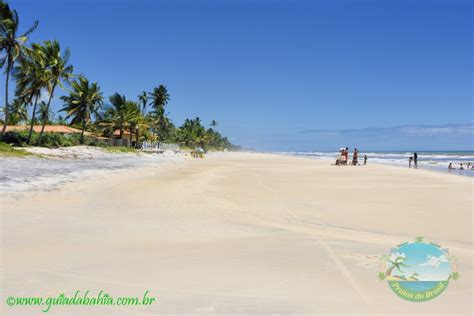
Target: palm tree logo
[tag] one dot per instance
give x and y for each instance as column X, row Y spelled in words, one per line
column 396, row 261
column 418, row 271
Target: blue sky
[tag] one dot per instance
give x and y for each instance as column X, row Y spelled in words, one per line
column 268, row 70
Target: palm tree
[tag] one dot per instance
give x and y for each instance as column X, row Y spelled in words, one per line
column 30, row 79
column 114, row 116
column 159, row 99
column 11, row 43
column 141, row 124
column 192, row 133
column 57, row 70
column 414, row 275
column 18, row 112
column 213, row 124
column 83, row 100
column 143, row 99
column 396, row 262
column 45, row 113
column 131, row 116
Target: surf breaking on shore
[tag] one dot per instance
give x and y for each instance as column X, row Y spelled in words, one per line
column 60, row 165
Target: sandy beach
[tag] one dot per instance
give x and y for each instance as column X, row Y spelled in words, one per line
column 236, row 233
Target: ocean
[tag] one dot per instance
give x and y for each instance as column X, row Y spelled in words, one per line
column 419, row 286
column 433, row 160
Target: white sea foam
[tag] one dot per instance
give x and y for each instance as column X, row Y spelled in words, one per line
column 61, row 165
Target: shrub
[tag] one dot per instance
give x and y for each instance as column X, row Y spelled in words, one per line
column 16, row 138
column 49, row 140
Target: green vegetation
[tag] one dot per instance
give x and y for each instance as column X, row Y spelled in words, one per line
column 396, row 263
column 121, row 150
column 44, row 69
column 11, row 44
column 8, row 151
column 50, row 140
column 83, row 101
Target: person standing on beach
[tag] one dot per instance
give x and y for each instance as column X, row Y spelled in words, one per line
column 409, row 162
column 415, row 160
column 365, row 160
column 346, row 155
column 355, row 158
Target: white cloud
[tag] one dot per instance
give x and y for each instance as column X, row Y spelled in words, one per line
column 433, row 261
column 395, row 255
column 407, row 130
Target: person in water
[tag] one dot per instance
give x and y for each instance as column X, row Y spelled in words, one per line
column 365, row 160
column 415, row 160
column 450, row 166
column 461, row 167
column 409, row 162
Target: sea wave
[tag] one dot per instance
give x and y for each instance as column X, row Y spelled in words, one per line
column 437, row 161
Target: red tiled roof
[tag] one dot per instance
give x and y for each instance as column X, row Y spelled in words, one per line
column 62, row 129
column 125, row 132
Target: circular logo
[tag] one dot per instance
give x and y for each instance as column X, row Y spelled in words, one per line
column 418, row 271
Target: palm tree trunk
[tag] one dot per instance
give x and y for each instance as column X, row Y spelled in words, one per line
column 83, row 129
column 33, row 117
column 5, row 111
column 131, row 135
column 47, row 112
column 389, row 271
column 136, row 137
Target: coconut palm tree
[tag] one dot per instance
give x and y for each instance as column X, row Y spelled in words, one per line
column 192, row 133
column 31, row 78
column 213, row 124
column 143, row 99
column 414, row 275
column 11, row 45
column 396, row 262
column 114, row 116
column 159, row 99
column 58, row 70
column 46, row 115
column 131, row 116
column 18, row 112
column 83, row 100
column 141, row 124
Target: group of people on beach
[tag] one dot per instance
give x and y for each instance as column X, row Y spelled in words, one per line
column 461, row 167
column 343, row 159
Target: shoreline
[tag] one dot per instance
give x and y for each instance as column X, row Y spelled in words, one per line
column 124, row 161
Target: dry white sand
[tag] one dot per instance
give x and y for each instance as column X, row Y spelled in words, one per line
column 236, row 234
